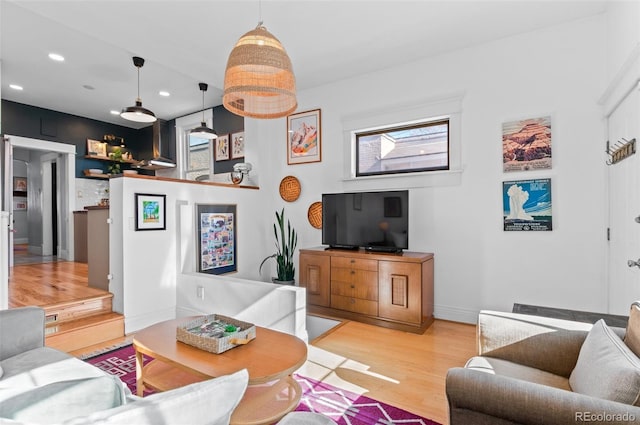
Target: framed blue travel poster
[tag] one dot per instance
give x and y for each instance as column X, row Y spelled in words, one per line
column 217, row 237
column 527, row 205
column 150, row 211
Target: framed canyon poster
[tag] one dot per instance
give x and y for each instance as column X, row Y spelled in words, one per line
column 526, row 144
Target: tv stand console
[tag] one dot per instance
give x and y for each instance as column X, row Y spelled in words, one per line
column 394, row 290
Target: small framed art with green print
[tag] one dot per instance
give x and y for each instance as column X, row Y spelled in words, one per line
column 217, row 238
column 150, row 212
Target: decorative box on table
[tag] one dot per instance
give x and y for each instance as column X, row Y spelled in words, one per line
column 207, row 333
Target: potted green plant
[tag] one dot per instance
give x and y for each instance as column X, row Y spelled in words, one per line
column 116, row 156
column 285, row 246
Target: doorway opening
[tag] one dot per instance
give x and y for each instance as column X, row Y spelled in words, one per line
column 41, row 224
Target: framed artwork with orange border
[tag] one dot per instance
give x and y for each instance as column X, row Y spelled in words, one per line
column 304, row 137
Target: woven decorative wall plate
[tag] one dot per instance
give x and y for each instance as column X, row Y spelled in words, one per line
column 315, row 215
column 290, row 188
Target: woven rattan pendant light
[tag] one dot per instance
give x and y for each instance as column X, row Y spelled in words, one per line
column 259, row 80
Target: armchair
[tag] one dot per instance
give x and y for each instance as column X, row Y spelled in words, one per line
column 534, row 370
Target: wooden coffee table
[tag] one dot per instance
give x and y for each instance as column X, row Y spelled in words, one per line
column 270, row 358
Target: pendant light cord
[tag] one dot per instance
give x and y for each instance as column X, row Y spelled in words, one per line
column 138, row 82
column 203, row 106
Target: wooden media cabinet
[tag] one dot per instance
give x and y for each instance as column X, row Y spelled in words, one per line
column 394, row 290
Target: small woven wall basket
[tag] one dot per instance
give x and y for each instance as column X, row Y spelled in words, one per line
column 290, row 188
column 315, row 215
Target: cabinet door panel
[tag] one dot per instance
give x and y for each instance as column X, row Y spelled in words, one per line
column 314, row 275
column 400, row 291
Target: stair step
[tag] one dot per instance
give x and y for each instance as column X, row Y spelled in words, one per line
column 77, row 309
column 85, row 331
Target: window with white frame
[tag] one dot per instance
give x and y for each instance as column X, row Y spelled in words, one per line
column 194, row 154
column 403, row 149
column 199, row 154
column 404, row 145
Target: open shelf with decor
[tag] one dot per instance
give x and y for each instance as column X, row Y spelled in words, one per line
column 106, row 158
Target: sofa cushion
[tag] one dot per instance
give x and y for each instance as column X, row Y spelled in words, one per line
column 517, row 371
column 632, row 336
column 607, row 368
column 59, row 401
column 208, row 402
column 43, row 366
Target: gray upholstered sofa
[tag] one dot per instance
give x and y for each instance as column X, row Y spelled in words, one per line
column 41, row 385
column 537, row 370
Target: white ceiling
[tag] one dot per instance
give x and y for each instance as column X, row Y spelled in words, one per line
column 186, row 42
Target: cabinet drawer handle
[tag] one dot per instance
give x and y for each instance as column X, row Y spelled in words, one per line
column 353, row 286
column 353, row 272
column 352, row 301
column 353, row 261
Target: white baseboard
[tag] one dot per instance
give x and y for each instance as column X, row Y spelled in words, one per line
column 133, row 324
column 34, row 249
column 20, row 240
column 184, row 312
column 455, row 314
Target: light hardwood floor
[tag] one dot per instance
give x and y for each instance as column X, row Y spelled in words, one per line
column 49, row 283
column 398, row 368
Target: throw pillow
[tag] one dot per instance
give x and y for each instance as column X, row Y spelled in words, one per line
column 209, row 402
column 606, row 368
column 632, row 337
column 60, row 401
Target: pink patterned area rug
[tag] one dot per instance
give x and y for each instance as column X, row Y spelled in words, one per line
column 344, row 407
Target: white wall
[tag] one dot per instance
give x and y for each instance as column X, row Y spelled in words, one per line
column 148, row 267
column 558, row 71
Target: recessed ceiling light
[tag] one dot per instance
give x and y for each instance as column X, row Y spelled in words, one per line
column 164, row 93
column 56, row 57
column 15, row 87
column 88, row 87
column 114, row 112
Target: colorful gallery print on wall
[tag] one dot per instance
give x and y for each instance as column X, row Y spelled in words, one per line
column 216, row 236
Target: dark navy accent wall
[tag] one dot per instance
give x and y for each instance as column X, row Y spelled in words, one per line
column 225, row 122
column 39, row 123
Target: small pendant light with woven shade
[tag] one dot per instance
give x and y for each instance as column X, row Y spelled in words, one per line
column 259, row 80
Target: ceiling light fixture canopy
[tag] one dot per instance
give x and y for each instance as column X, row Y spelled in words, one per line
column 137, row 113
column 203, row 131
column 259, row 80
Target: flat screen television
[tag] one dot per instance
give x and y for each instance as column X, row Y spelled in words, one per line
column 377, row 221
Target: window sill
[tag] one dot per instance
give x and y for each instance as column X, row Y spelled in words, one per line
column 405, row 181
